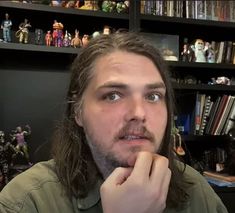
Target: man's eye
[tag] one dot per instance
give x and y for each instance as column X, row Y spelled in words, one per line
column 112, row 96
column 153, row 97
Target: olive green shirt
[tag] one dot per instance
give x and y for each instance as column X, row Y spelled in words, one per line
column 38, row 190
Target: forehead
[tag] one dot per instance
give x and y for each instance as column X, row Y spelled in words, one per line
column 125, row 67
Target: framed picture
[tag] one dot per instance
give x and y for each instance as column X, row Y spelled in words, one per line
column 167, row 44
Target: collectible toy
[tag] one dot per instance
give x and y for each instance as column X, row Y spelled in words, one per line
column 38, row 36
column 48, row 38
column 67, row 39
column 76, row 41
column 6, row 27
column 58, row 34
column 199, row 51
column 19, row 136
column 23, row 32
column 85, row 40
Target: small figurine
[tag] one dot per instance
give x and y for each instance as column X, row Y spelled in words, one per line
column 89, row 5
column 122, row 7
column 57, row 34
column 23, row 32
column 48, row 38
column 38, row 36
column 6, row 27
column 199, row 51
column 106, row 30
column 185, row 54
column 108, row 6
column 76, row 41
column 6, row 150
column 67, row 39
column 19, row 136
column 210, row 53
column 85, row 40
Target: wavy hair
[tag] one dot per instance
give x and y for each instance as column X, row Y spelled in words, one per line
column 75, row 166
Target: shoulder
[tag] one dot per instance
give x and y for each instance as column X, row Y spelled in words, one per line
column 29, row 185
column 202, row 196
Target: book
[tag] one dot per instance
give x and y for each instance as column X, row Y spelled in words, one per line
column 219, row 176
column 230, row 122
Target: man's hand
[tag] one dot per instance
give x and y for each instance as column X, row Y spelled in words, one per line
column 141, row 189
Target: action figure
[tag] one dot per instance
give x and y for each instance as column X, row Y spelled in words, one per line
column 85, row 40
column 76, row 41
column 48, row 38
column 67, row 39
column 57, row 34
column 19, row 136
column 23, row 32
column 199, row 51
column 185, row 54
column 6, row 26
column 6, row 151
column 38, row 36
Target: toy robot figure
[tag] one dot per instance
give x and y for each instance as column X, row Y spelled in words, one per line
column 48, row 38
column 19, row 136
column 6, row 149
column 23, row 32
column 38, row 36
column 6, row 26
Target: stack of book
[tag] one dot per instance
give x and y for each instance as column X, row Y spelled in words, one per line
column 219, row 179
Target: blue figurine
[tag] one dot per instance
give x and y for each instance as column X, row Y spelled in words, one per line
column 6, row 26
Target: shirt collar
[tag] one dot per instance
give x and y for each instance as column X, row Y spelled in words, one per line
column 92, row 199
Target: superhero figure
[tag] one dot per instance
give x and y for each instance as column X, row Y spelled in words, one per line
column 19, row 136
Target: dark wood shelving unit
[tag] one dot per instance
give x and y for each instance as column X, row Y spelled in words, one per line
column 33, row 76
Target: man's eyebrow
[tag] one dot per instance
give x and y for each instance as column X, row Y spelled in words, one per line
column 158, row 85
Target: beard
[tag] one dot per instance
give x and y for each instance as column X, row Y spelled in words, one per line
column 106, row 160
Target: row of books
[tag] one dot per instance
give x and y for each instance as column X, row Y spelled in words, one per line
column 216, row 10
column 214, row 117
column 224, row 51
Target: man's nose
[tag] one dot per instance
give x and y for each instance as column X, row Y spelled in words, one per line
column 136, row 110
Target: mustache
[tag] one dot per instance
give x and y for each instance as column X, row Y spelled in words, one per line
column 134, row 129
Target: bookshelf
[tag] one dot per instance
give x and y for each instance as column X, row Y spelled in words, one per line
column 35, row 74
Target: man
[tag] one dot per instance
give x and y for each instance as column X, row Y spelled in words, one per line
column 112, row 152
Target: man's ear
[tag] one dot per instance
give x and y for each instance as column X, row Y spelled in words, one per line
column 78, row 119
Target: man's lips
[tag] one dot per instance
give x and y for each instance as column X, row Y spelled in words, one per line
column 133, row 137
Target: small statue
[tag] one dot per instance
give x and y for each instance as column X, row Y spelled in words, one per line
column 122, row 7
column 19, row 136
column 85, row 40
column 185, row 54
column 6, row 151
column 76, row 41
column 89, row 5
column 199, row 51
column 108, row 6
column 57, row 34
column 6, row 27
column 106, row 30
column 210, row 53
column 48, row 38
column 67, row 39
column 23, row 32
column 38, row 36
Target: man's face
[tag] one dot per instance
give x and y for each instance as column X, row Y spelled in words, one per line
column 123, row 109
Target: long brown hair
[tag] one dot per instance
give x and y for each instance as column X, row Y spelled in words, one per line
column 75, row 166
